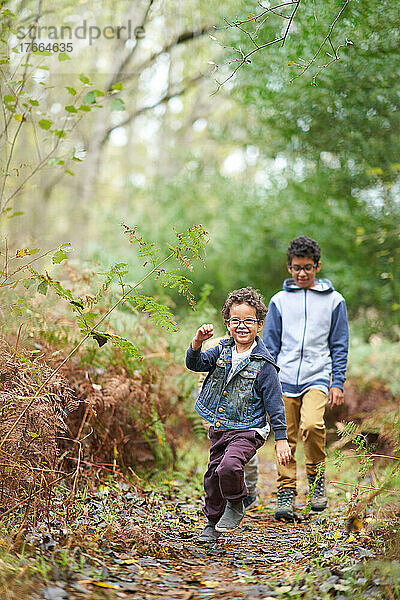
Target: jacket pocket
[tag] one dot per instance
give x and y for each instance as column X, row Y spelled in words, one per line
column 212, row 388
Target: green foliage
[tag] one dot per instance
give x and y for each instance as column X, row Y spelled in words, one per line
column 123, row 344
column 114, row 292
column 190, row 246
column 145, row 249
column 363, row 451
column 158, row 313
column 45, row 281
column 382, row 480
column 161, row 449
column 377, row 359
column 27, row 110
column 327, row 164
column 315, row 29
column 115, row 273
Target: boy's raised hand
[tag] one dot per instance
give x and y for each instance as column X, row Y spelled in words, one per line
column 205, row 332
column 283, row 453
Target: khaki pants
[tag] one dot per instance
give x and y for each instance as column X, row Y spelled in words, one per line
column 304, row 413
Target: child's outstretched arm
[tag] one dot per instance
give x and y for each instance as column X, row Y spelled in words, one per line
column 205, row 332
column 283, row 453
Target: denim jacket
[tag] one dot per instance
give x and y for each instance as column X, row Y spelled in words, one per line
column 243, row 399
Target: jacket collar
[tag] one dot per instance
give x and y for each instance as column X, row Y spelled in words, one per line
column 323, row 286
column 259, row 351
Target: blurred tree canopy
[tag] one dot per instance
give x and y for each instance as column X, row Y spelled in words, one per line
column 268, row 157
column 341, row 139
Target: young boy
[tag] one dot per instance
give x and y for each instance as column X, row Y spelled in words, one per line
column 306, row 332
column 241, row 388
column 251, row 468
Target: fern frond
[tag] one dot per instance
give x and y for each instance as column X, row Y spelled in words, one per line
column 146, row 250
column 192, row 242
column 116, row 272
column 349, row 430
column 158, row 313
column 172, row 280
column 124, row 345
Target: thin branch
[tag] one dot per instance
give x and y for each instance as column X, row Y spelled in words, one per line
column 333, row 59
column 274, row 10
column 39, row 165
column 247, row 33
column 331, row 28
column 245, row 57
column 6, row 172
column 182, row 38
column 117, row 73
column 333, row 48
column 315, row 11
column 370, row 455
column 8, row 275
column 364, row 487
column 264, row 12
column 245, row 60
column 6, row 121
column 162, row 100
column 290, row 22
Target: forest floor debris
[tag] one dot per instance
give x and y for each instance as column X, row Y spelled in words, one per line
column 127, row 543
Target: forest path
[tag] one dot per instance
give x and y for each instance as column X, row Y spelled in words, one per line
column 154, row 554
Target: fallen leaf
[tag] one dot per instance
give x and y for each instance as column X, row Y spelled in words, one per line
column 354, row 524
column 337, row 535
column 98, row 584
column 129, row 561
column 210, row 584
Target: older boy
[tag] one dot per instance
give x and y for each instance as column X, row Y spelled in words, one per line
column 240, row 390
column 306, row 332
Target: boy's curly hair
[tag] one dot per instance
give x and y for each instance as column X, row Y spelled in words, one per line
column 303, row 246
column 245, row 295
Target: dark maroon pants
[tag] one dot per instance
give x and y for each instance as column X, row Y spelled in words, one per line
column 224, row 479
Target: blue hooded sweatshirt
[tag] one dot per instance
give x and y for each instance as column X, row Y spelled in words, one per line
column 307, row 333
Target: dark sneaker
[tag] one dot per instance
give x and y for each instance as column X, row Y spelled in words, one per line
column 319, row 499
column 232, row 517
column 209, row 535
column 249, row 501
column 285, row 509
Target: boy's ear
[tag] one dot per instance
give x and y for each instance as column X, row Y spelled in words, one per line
column 318, row 267
column 288, row 268
column 260, row 325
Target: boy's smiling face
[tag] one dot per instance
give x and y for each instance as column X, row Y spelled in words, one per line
column 305, row 278
column 243, row 335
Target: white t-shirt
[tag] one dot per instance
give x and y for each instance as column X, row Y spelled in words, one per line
column 238, row 357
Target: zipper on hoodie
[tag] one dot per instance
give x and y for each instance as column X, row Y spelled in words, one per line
column 304, row 335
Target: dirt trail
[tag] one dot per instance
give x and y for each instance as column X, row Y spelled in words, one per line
column 152, row 554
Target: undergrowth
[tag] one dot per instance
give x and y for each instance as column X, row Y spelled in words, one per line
column 377, row 359
column 140, row 449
